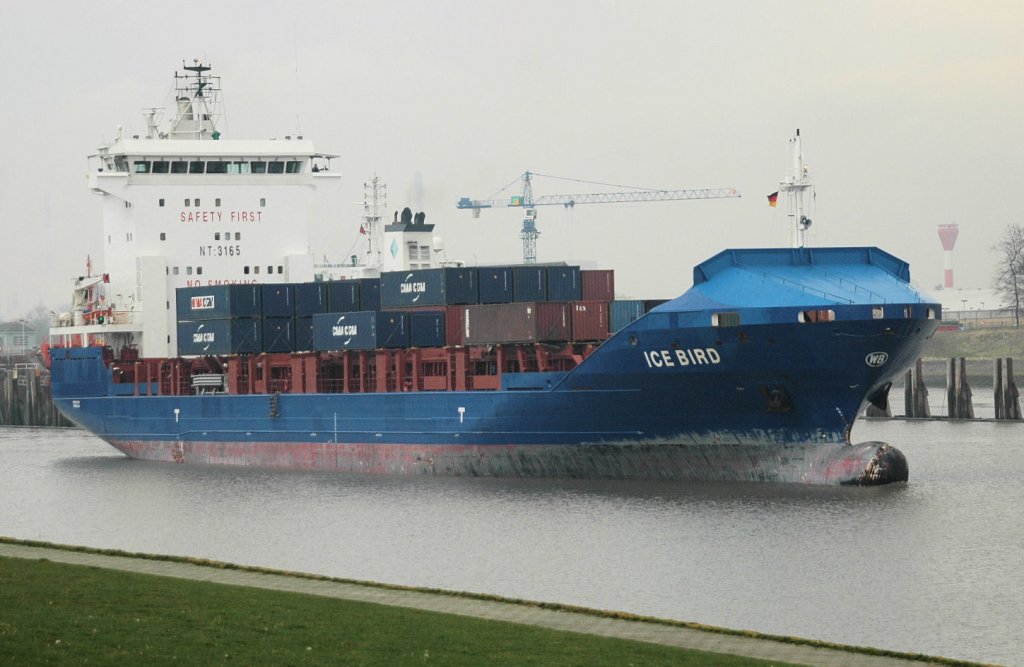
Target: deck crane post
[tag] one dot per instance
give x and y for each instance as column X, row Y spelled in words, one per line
column 527, row 202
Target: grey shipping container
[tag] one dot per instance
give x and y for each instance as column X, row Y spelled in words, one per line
column 429, row 287
column 219, row 337
column 215, row 302
column 520, row 322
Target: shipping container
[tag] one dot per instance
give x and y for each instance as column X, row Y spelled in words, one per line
column 530, row 283
column 563, row 283
column 369, row 294
column 343, row 296
column 278, row 299
column 597, row 285
column 453, row 320
column 624, row 312
column 310, row 299
column 304, row 334
column 360, row 330
column 278, row 334
column 215, row 302
column 520, row 322
column 496, row 284
column 429, row 287
column 219, row 337
column 589, row 320
column 427, row 328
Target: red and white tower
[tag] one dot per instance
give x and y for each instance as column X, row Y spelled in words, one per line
column 948, row 234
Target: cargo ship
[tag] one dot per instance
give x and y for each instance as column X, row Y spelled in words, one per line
column 213, row 336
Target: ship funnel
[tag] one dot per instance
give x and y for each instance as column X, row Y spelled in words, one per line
column 948, row 235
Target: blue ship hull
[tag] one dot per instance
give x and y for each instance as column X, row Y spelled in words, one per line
column 756, row 373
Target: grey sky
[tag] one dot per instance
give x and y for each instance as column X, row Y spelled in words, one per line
column 910, row 113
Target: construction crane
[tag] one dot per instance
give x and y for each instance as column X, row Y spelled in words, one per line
column 527, row 201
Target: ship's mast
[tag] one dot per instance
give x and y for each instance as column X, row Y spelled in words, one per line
column 796, row 186
column 198, row 99
column 375, row 200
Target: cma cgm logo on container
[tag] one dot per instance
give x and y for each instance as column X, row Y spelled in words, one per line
column 876, row 359
column 202, row 302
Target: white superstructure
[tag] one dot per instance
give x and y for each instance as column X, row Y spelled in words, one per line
column 184, row 207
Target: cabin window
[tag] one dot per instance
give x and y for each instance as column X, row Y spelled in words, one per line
column 199, row 270
column 196, row 167
column 216, row 167
column 275, row 168
column 175, row 271
column 216, row 236
column 908, row 312
column 259, row 166
column 197, row 202
column 180, row 167
column 294, row 166
column 725, row 319
column 824, row 315
column 280, row 269
column 245, row 270
column 216, row 202
column 163, row 236
column 142, row 166
column 263, row 202
column 161, row 167
column 238, row 236
column 256, row 270
column 161, row 202
column 931, row 313
column 878, row 312
column 188, row 270
column 270, row 270
column 188, row 202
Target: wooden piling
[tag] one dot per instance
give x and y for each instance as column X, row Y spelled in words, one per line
column 959, row 403
column 1007, row 398
column 915, row 392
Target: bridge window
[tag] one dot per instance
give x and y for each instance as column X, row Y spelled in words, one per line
column 240, row 167
column 179, row 167
column 141, row 166
column 294, row 166
column 161, row 167
column 196, row 167
column 275, row 168
column 725, row 319
column 259, row 166
column 816, row 315
column 216, row 167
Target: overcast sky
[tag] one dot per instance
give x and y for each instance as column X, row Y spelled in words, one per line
column 911, row 115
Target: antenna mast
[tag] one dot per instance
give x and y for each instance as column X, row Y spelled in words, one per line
column 796, row 187
column 375, row 200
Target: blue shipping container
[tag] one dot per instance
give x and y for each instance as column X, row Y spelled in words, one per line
column 355, row 330
column 564, row 283
column 278, row 334
column 310, row 299
column 304, row 334
column 426, row 329
column 623, row 313
column 278, row 300
column 219, row 337
column 215, row 302
column 246, row 336
column 392, row 329
column 369, row 294
column 429, row 287
column 343, row 296
column 530, row 283
column 496, row 284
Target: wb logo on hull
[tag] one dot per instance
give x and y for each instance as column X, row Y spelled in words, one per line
column 876, row 359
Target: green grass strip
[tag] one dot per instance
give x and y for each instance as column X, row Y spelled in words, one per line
column 478, row 596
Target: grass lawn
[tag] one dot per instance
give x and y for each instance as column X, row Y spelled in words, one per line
column 53, row 613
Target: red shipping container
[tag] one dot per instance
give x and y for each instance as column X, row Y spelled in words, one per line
column 597, row 285
column 519, row 322
column 589, row 320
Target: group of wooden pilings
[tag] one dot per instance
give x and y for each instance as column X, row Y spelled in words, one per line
column 25, row 398
column 959, row 398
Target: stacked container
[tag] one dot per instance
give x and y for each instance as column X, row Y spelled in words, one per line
column 519, row 322
column 219, row 320
column 429, row 287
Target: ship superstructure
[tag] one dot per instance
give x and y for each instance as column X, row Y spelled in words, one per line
column 187, row 207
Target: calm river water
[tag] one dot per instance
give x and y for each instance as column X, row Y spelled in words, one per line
column 934, row 565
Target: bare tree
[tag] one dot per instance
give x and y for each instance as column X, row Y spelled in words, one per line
column 1009, row 278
